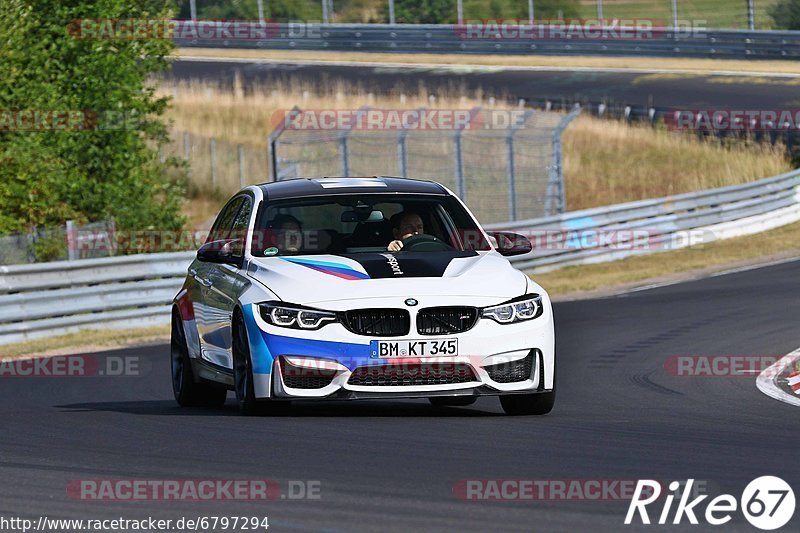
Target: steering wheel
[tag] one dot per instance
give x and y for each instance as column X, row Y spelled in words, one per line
column 424, row 243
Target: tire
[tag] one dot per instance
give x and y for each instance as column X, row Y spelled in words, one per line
column 246, row 399
column 243, row 369
column 452, row 401
column 539, row 403
column 187, row 391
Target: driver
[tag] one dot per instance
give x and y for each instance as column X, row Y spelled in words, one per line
column 288, row 233
column 404, row 225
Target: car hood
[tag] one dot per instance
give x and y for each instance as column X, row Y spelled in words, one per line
column 310, row 280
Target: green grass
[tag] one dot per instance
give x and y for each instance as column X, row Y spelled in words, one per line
column 717, row 13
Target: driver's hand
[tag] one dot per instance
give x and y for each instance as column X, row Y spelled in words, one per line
column 395, row 246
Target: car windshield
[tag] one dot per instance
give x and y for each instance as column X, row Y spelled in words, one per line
column 364, row 223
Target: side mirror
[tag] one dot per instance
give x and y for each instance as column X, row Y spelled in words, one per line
column 228, row 252
column 509, row 243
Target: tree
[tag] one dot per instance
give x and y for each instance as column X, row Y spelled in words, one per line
column 105, row 162
column 786, row 14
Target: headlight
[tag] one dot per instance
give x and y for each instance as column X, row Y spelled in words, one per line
column 297, row 317
column 525, row 307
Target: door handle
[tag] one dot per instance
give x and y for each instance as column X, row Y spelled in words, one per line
column 202, row 281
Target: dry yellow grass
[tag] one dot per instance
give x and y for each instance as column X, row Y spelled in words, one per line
column 607, row 162
column 85, row 342
column 236, row 117
column 640, row 63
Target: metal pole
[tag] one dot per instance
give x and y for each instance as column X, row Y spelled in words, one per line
column 556, row 190
column 193, row 9
column 402, row 154
column 674, row 15
column 511, row 167
column 459, row 164
column 510, row 175
column 600, row 10
column 241, row 167
column 272, row 160
column 530, row 12
column 72, row 252
column 325, row 16
column 343, row 155
column 751, row 15
column 261, row 11
column 460, row 7
column 461, row 189
column 214, row 164
column 391, row 12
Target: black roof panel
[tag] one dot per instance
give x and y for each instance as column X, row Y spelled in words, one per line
column 300, row 187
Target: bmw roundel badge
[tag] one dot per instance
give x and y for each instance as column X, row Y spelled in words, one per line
column 411, row 302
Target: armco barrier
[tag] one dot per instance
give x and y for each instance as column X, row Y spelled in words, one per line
column 46, row 299
column 713, row 214
column 454, row 39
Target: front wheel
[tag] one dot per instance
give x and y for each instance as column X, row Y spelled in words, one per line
column 243, row 370
column 539, row 403
column 186, row 390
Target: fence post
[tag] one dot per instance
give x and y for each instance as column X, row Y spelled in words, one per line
column 511, row 168
column 402, row 147
column 459, row 164
column 213, row 163
column 461, row 189
column 402, row 155
column 242, row 179
column 343, row 156
column 600, row 11
column 272, row 144
column 556, row 189
column 674, row 17
column 751, row 15
column 72, row 252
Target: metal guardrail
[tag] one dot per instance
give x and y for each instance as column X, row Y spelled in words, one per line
column 659, row 224
column 46, row 299
column 455, row 39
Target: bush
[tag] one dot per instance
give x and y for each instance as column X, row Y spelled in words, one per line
column 786, row 14
column 89, row 172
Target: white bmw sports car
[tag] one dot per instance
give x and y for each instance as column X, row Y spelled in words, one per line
column 353, row 288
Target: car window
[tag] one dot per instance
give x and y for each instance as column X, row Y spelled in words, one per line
column 241, row 223
column 362, row 223
column 224, row 224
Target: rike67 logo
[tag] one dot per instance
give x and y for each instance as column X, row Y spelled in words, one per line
column 767, row 503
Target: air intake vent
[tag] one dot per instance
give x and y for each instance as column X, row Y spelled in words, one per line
column 512, row 372
column 446, row 320
column 378, row 322
column 399, row 375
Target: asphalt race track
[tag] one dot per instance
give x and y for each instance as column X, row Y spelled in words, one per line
column 693, row 91
column 392, row 465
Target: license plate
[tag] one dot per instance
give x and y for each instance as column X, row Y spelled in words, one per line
column 414, row 348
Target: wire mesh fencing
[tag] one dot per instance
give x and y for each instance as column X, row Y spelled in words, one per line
column 67, row 242
column 504, row 164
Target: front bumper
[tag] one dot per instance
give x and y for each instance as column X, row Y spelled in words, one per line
column 333, row 363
